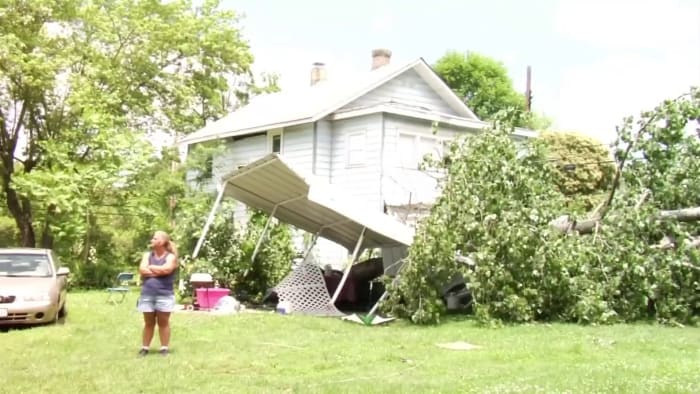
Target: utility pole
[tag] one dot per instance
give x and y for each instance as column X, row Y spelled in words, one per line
column 528, row 90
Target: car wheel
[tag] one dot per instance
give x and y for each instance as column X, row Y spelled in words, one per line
column 61, row 315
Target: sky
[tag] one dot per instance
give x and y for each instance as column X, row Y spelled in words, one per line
column 593, row 62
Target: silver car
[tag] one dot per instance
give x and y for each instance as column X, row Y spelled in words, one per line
column 32, row 287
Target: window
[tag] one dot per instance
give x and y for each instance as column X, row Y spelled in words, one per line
column 277, row 143
column 412, row 148
column 406, row 151
column 25, row 265
column 356, row 149
column 274, row 141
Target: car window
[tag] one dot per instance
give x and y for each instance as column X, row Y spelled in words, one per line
column 25, row 265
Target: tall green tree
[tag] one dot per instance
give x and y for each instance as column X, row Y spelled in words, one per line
column 82, row 83
column 482, row 82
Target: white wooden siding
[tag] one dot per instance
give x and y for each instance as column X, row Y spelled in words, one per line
column 406, row 140
column 359, row 181
column 297, row 146
column 408, row 89
column 238, row 153
column 323, row 137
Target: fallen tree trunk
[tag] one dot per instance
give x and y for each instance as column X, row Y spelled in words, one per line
column 670, row 243
column 681, row 215
column 565, row 224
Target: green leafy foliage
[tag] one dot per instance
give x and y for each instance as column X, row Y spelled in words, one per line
column 228, row 250
column 86, row 83
column 8, row 232
column 485, row 86
column 662, row 165
column 497, row 203
column 482, row 82
column 585, row 168
column 496, row 196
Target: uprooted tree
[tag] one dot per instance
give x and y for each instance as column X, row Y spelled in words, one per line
column 500, row 206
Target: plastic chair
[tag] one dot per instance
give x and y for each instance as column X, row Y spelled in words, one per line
column 122, row 288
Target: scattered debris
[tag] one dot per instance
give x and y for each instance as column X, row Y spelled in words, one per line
column 605, row 342
column 281, row 345
column 367, row 320
column 458, row 346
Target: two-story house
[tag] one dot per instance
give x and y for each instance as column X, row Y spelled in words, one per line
column 365, row 135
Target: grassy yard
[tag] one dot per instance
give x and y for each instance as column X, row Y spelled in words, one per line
column 95, row 352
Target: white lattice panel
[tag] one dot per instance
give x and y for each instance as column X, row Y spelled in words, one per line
column 305, row 289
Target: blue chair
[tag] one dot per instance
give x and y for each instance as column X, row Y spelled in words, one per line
column 121, row 289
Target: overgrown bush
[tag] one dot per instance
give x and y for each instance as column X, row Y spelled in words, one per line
column 228, row 249
column 9, row 236
column 584, row 168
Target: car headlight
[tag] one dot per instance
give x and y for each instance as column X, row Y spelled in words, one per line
column 37, row 297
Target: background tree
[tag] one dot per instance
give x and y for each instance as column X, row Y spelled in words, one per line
column 484, row 85
column 83, row 82
column 584, row 168
column 482, row 82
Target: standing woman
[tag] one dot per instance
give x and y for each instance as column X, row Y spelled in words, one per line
column 157, row 301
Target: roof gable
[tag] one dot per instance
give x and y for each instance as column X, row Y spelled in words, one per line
column 408, row 89
column 312, row 103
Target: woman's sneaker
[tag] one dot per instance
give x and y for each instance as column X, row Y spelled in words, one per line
column 164, row 352
column 143, row 352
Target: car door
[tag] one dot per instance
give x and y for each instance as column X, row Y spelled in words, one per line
column 61, row 280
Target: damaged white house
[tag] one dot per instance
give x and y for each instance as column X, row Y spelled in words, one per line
column 363, row 136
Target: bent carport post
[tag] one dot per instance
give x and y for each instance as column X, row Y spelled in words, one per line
column 355, row 254
column 209, row 221
column 267, row 224
column 314, row 240
column 403, row 262
column 312, row 244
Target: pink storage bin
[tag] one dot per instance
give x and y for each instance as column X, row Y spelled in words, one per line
column 208, row 297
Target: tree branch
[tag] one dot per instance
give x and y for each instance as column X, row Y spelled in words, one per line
column 19, row 123
column 564, row 224
column 681, row 215
column 620, row 167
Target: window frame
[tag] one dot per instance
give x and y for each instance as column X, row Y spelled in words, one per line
column 271, row 134
column 439, row 145
column 362, row 160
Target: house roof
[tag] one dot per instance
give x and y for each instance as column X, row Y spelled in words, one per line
column 277, row 188
column 312, row 103
column 413, row 112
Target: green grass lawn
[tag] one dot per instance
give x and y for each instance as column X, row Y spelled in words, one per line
column 95, row 351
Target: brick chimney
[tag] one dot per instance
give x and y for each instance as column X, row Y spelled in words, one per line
column 318, row 73
column 380, row 57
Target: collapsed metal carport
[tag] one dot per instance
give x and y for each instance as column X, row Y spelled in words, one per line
column 274, row 186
